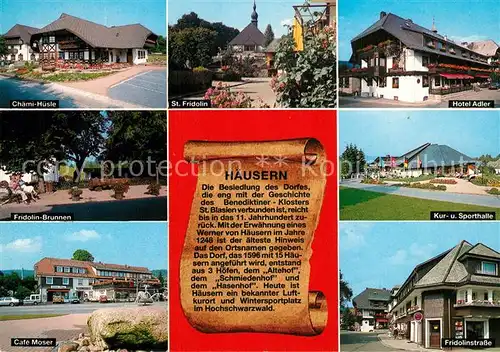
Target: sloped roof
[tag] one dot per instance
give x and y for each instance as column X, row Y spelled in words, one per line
column 451, row 270
column 250, row 35
column 433, row 155
column 484, row 47
column 99, row 36
column 21, row 31
column 495, row 164
column 371, row 294
column 411, row 35
column 273, row 46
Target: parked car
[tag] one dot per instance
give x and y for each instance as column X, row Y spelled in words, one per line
column 103, row 299
column 75, row 300
column 494, row 85
column 9, row 301
column 58, row 299
column 32, row 299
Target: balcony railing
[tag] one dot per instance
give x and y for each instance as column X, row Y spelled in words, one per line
column 368, row 71
column 70, row 44
column 477, row 303
column 413, row 309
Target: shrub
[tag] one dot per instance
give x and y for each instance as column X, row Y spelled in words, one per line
column 309, row 76
column 200, row 69
column 444, row 181
column 373, row 181
column 75, row 193
column 222, row 97
column 494, row 191
column 154, row 189
column 419, row 185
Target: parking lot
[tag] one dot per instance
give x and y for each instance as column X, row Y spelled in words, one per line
column 147, row 89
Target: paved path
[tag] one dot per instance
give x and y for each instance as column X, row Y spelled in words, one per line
column 351, row 341
column 61, row 328
column 148, row 88
column 473, row 199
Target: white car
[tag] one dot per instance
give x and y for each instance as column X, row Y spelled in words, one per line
column 9, row 301
column 33, row 299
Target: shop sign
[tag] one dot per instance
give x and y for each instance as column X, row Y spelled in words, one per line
column 418, row 316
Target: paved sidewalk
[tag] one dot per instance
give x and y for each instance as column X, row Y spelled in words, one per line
column 101, row 85
column 472, row 199
column 403, row 345
column 61, row 328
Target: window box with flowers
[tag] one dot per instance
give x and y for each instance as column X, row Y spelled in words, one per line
column 431, row 45
column 452, row 51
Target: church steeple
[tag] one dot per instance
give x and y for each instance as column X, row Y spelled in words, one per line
column 255, row 15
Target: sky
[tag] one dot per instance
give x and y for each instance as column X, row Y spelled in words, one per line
column 39, row 13
column 460, row 20
column 131, row 243
column 395, row 132
column 383, row 254
column 236, row 13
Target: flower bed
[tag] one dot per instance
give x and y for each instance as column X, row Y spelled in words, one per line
column 419, row 185
column 458, row 67
column 373, row 181
column 494, row 191
column 445, row 181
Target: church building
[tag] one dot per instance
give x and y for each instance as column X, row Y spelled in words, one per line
column 250, row 39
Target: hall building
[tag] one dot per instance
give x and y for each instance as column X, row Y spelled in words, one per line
column 397, row 59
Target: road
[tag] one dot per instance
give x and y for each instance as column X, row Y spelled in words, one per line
column 147, row 89
column 362, row 341
column 83, row 308
column 472, row 199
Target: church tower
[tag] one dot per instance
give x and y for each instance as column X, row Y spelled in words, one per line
column 255, row 15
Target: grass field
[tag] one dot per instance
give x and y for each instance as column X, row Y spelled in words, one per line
column 28, row 316
column 356, row 204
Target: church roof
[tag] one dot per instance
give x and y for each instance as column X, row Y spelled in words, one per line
column 251, row 35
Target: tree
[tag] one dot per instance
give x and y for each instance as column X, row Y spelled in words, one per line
column 161, row 45
column 191, row 47
column 162, row 279
column 348, row 319
column 83, row 255
column 81, row 134
column 353, row 160
column 309, row 76
column 345, row 292
column 269, row 35
column 21, row 292
column 3, row 46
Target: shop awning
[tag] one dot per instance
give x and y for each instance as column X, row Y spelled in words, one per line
column 455, row 76
column 482, row 76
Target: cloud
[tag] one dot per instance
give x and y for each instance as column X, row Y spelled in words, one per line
column 352, row 235
column 83, row 236
column 23, row 245
column 286, row 22
column 468, row 39
column 415, row 254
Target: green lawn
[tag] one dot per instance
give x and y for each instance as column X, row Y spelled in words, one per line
column 75, row 76
column 356, row 204
column 28, row 316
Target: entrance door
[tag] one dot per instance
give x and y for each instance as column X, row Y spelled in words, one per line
column 129, row 56
column 435, row 334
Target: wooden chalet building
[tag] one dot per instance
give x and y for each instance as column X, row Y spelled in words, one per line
column 72, row 39
column 371, row 306
column 398, row 59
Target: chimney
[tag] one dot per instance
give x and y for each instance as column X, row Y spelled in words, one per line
column 383, row 14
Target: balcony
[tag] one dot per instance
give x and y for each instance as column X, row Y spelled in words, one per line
column 413, row 309
column 69, row 44
column 373, row 71
column 12, row 51
column 477, row 303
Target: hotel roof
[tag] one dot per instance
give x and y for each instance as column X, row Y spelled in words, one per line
column 412, row 35
column 362, row 300
column 21, row 31
column 99, row 36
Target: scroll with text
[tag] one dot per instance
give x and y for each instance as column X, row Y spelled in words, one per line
column 245, row 263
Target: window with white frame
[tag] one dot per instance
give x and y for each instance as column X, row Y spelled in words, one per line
column 80, row 282
column 67, row 269
column 59, row 269
column 488, row 268
column 49, row 280
column 65, row 281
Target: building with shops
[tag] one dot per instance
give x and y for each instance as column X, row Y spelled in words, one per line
column 91, row 280
column 455, row 294
column 397, row 59
column 371, row 306
column 72, row 39
column 426, row 159
column 17, row 41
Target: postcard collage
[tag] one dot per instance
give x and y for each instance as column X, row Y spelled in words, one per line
column 249, row 175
